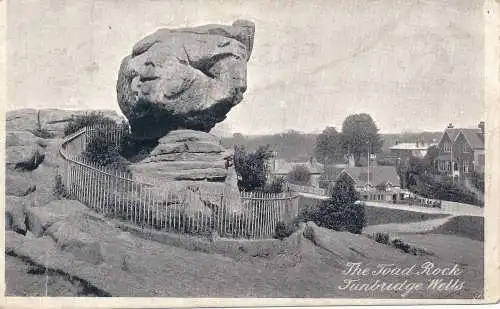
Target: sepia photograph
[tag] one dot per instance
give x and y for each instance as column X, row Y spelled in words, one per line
column 246, row 149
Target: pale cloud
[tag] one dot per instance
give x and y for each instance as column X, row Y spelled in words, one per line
column 411, row 64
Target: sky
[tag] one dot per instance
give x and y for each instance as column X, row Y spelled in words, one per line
column 412, row 65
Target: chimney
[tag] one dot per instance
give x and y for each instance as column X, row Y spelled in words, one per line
column 450, row 126
column 481, row 126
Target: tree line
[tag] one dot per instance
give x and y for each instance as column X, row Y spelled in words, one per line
column 359, row 136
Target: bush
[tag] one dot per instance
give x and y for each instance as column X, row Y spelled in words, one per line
column 103, row 152
column 252, row 167
column 341, row 212
column 81, row 121
column 444, row 188
column 382, row 238
column 282, row 230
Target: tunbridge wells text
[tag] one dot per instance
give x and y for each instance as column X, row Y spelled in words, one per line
column 404, row 280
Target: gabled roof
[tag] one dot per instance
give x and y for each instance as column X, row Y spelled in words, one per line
column 451, row 132
column 331, row 172
column 379, row 175
column 474, row 137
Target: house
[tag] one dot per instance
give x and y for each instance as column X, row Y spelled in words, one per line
column 417, row 149
column 377, row 183
column 461, row 152
column 281, row 168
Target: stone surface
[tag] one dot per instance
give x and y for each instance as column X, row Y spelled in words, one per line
column 24, row 157
column 184, row 78
column 187, row 159
column 70, row 238
column 191, row 148
column 15, row 214
column 41, row 218
column 52, row 120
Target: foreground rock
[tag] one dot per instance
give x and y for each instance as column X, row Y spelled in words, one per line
column 184, row 78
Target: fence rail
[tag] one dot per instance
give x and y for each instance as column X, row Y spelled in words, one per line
column 193, row 211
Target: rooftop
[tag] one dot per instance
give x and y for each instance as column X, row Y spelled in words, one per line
column 412, row 146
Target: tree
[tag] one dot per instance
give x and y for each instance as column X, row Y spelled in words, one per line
column 328, row 148
column 342, row 211
column 299, row 175
column 252, row 167
column 360, row 134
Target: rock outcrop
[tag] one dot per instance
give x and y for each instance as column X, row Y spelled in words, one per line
column 20, row 122
column 185, row 78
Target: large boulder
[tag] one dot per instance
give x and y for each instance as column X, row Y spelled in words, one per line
column 184, row 78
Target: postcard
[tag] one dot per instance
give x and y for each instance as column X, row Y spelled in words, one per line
column 250, row 153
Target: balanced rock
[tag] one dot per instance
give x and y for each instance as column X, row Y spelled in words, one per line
column 186, row 78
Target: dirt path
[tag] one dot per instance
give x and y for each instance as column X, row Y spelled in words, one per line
column 411, row 227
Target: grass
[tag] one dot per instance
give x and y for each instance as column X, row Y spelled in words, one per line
column 463, row 226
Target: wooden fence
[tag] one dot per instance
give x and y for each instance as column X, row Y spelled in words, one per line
column 153, row 205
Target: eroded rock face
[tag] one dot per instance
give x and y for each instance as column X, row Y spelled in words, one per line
column 184, row 78
column 186, row 155
column 187, row 159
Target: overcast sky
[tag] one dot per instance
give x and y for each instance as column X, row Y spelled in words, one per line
column 412, row 65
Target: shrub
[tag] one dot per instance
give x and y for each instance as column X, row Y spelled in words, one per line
column 341, row 212
column 282, row 230
column 59, row 189
column 382, row 238
column 81, row 121
column 252, row 167
column 444, row 188
column 101, row 151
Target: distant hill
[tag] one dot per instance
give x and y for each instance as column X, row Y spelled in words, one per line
column 298, row 147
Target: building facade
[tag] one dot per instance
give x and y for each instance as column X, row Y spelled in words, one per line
column 461, row 152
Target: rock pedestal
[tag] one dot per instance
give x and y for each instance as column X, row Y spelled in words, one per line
column 194, row 161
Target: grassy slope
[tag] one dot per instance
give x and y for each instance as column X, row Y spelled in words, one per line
column 154, row 269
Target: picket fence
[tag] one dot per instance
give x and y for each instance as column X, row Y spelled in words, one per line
column 152, row 204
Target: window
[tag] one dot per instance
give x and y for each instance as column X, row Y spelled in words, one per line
column 447, row 147
column 466, row 166
column 466, row 148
